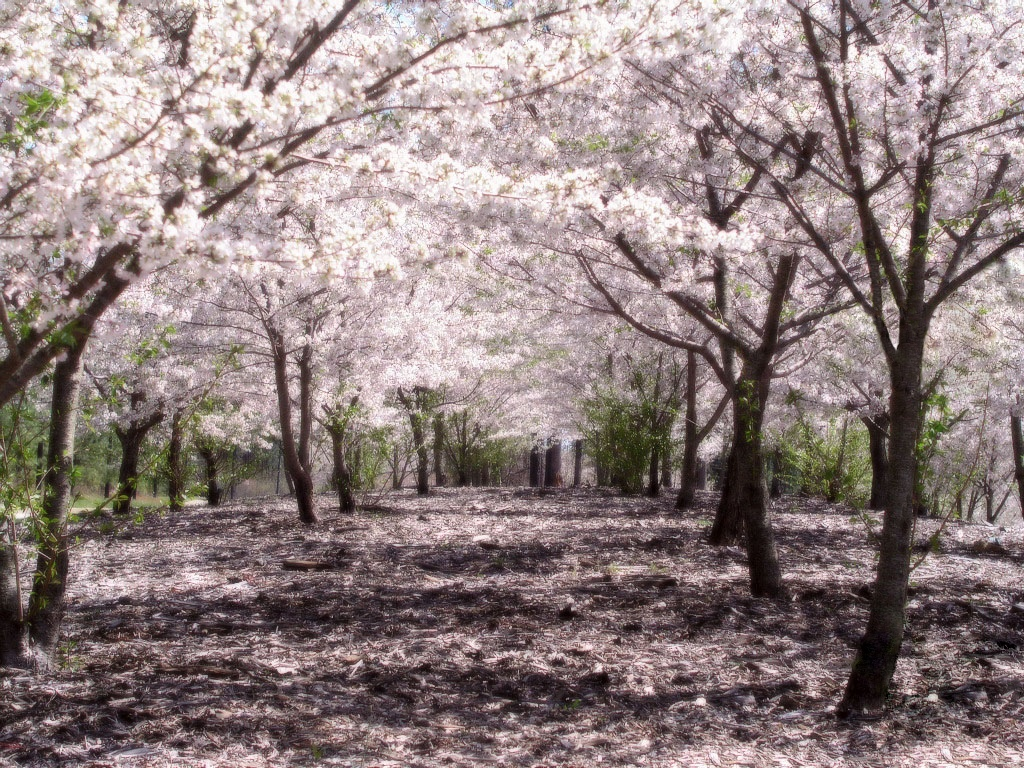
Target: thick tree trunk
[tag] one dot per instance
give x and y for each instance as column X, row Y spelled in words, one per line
column 553, row 465
column 46, row 603
column 878, row 439
column 176, row 463
column 688, row 487
column 577, row 464
column 535, row 467
column 342, row 473
column 879, row 649
column 728, row 526
column 745, row 497
column 297, row 470
column 1017, row 437
column 211, row 462
column 131, row 439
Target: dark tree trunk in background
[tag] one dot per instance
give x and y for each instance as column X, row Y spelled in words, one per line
column 211, row 462
column 416, row 406
column 654, row 474
column 878, row 445
column 1017, row 437
column 577, row 464
column 342, row 473
column 131, row 438
column 440, row 478
column 694, row 476
column 176, row 463
column 535, row 467
column 666, row 466
column 46, row 603
column 553, row 465
column 296, row 457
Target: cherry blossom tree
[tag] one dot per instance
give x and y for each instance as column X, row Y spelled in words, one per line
column 904, row 118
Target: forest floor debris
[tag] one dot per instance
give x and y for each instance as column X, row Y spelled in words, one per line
column 502, row 628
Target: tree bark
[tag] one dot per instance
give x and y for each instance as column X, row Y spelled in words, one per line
column 878, row 651
column 14, row 648
column 211, row 461
column 688, row 487
column 1017, row 438
column 878, row 439
column 297, row 471
column 176, row 463
column 553, row 465
column 131, row 438
column 440, row 478
column 46, row 603
column 535, row 467
column 342, row 473
column 654, row 473
column 577, row 464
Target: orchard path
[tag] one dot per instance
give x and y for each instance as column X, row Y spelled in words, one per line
column 506, row 628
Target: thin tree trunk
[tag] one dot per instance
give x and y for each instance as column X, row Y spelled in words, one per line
column 654, row 474
column 422, row 457
column 1017, row 438
column 176, row 464
column 297, row 471
column 440, row 478
column 577, row 464
column 687, row 489
column 46, row 603
column 879, row 649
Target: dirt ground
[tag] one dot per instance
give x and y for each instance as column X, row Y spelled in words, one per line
column 507, row 628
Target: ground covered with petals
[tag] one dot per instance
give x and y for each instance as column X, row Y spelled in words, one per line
column 511, row 628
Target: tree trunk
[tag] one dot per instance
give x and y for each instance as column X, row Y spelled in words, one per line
column 422, row 457
column 878, row 438
column 666, row 466
column 342, row 473
column 535, row 467
column 879, row 649
column 553, row 465
column 688, row 487
column 14, row 649
column 745, row 496
column 440, row 478
column 211, row 461
column 1017, row 437
column 297, row 470
column 577, row 464
column 131, row 439
column 176, row 464
column 728, row 526
column 654, row 474
column 46, row 603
